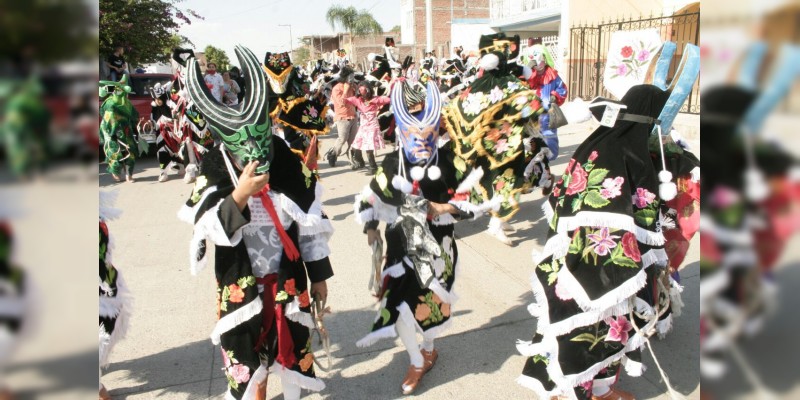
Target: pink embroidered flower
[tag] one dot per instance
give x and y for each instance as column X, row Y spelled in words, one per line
column 577, row 183
column 313, row 112
column 618, row 329
column 561, row 292
column 557, row 191
column 622, row 69
column 643, row 55
column 630, row 247
column 626, row 51
column 587, row 386
column 611, row 187
column 499, row 185
column 643, row 197
column 602, row 241
column 239, row 373
column 501, row 146
column 723, row 197
column 593, row 156
column 225, row 360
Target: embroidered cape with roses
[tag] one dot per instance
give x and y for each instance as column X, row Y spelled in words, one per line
column 268, row 331
column 288, row 97
column 604, row 255
column 486, row 124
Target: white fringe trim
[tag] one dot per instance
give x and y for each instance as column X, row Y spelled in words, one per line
column 470, row 181
column 236, row 318
column 444, row 219
column 380, row 211
column 187, row 214
column 712, row 285
column 312, row 217
column 292, row 312
column 296, row 378
column 633, row 368
column 479, row 209
column 530, row 349
column 664, row 326
column 395, row 271
column 741, row 237
column 604, row 219
column 622, row 292
column 386, row 332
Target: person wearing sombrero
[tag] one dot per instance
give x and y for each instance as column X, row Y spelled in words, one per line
column 260, row 206
column 601, row 283
column 486, row 123
column 118, row 127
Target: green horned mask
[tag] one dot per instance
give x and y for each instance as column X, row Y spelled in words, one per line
column 245, row 132
column 117, row 89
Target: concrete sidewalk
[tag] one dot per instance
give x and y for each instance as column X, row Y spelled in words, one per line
column 168, row 353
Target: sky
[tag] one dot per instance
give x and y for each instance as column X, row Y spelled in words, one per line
column 255, row 23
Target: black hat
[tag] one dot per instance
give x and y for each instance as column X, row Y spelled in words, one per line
column 500, row 43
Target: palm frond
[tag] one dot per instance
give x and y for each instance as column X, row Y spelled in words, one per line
column 365, row 24
column 342, row 16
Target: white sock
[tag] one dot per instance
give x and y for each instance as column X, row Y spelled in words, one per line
column 290, row 391
column 427, row 344
column 408, row 335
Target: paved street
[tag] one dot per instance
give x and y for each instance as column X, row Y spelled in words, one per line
column 168, row 353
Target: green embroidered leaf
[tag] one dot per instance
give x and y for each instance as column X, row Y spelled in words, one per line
column 597, row 176
column 584, row 337
column 281, row 296
column 576, row 245
column 623, row 261
column 385, row 315
column 645, row 216
column 576, row 204
column 245, row 282
column 112, row 274
column 380, row 177
column 551, row 278
column 595, row 200
column 540, row 358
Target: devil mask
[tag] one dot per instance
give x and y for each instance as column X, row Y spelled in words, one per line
column 418, row 136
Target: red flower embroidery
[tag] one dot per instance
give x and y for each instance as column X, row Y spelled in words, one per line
column 289, row 287
column 557, row 191
column 304, row 300
column 237, row 294
column 593, row 156
column 630, row 248
column 499, row 185
column 627, row 51
column 577, row 183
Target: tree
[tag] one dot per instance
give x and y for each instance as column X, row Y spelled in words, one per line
column 217, row 56
column 356, row 23
column 46, row 31
column 144, row 28
column 395, row 29
column 301, row 55
column 177, row 41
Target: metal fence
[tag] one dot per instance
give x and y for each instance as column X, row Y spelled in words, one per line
column 589, row 47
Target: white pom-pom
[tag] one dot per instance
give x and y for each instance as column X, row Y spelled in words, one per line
column 406, row 187
column 667, row 191
column 397, row 182
column 434, row 173
column 695, row 174
column 417, row 173
column 755, row 185
column 664, row 176
column 489, row 62
column 794, row 174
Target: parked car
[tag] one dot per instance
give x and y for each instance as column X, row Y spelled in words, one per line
column 140, row 96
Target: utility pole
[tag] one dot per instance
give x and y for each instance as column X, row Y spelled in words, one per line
column 429, row 25
column 291, row 55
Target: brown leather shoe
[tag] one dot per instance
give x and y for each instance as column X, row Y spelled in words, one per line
column 615, row 394
column 429, row 358
column 261, row 390
column 413, row 376
column 103, row 394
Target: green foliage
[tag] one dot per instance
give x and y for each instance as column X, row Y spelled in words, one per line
column 47, row 31
column 396, row 28
column 357, row 23
column 218, row 57
column 301, row 55
column 145, row 28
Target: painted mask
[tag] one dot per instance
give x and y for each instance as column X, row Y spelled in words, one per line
column 418, row 136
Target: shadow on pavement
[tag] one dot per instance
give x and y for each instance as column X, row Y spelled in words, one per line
column 61, row 374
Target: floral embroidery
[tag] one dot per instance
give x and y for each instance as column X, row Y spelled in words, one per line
column 235, row 372
column 602, row 242
column 611, row 187
column 306, row 362
column 428, row 311
column 590, row 184
column 643, row 198
column 626, row 51
column 288, row 286
column 240, row 373
column 199, row 184
column 562, row 292
column 422, row 312
column 236, row 294
column 631, row 60
column 630, row 247
column 496, row 95
column 281, row 296
column 551, row 269
column 618, row 329
column 304, row 300
column 311, row 115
